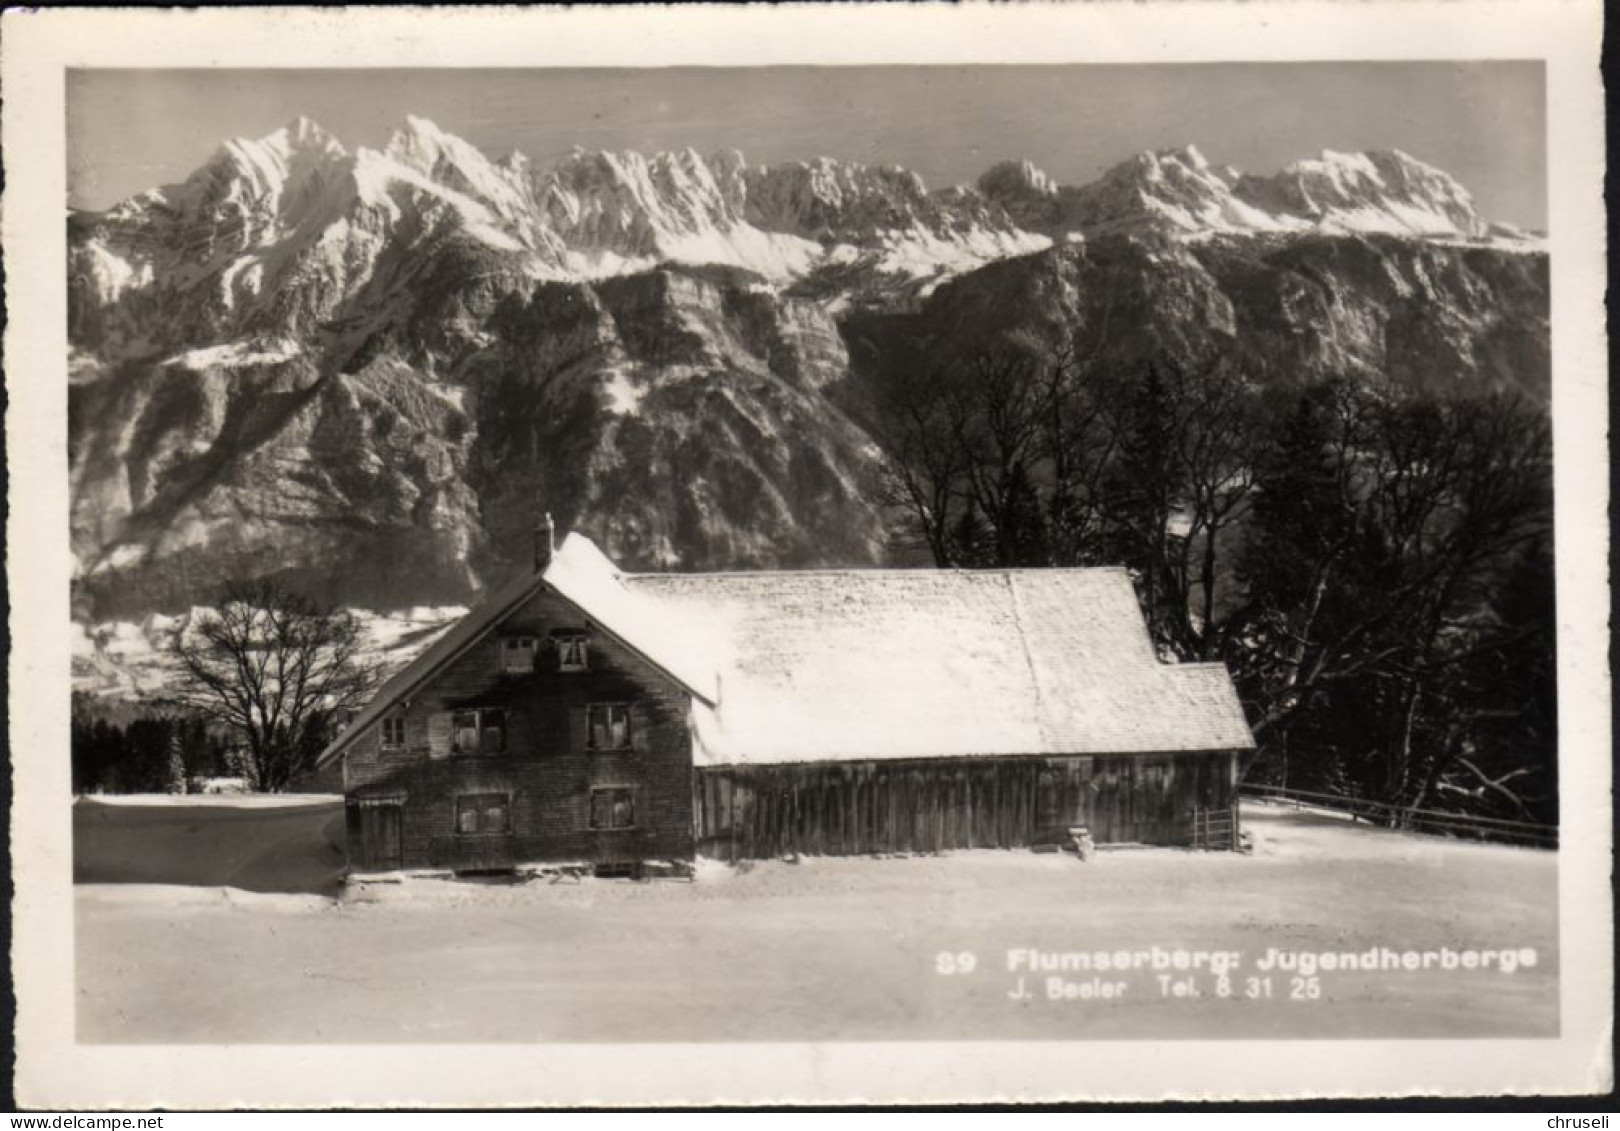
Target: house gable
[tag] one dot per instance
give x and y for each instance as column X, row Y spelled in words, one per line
column 539, row 787
column 479, row 675
column 581, row 576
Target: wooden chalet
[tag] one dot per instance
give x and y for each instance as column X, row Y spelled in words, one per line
column 587, row 714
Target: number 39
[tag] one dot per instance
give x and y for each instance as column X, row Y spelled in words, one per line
column 962, row 962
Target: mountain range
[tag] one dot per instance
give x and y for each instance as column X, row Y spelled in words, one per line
column 372, row 371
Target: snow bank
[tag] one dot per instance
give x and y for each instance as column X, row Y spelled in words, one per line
column 175, row 896
column 710, row 871
column 215, row 800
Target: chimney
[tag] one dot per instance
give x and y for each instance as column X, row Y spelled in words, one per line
column 545, row 543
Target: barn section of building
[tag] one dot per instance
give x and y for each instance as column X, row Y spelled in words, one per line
column 828, row 711
column 880, row 710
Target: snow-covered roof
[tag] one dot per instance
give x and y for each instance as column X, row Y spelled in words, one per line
column 687, row 648
column 830, row 665
column 890, row 664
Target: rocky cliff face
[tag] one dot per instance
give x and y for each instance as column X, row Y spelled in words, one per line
column 675, row 415
column 372, row 371
column 677, row 418
column 1295, row 309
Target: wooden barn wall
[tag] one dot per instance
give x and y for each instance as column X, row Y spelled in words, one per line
column 743, row 812
column 546, row 770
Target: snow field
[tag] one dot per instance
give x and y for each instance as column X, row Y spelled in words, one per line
column 830, row 948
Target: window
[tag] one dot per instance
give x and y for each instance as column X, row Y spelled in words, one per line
column 613, row 808
column 609, row 726
column 393, row 732
column 483, row 814
column 517, row 654
column 573, row 652
column 481, row 731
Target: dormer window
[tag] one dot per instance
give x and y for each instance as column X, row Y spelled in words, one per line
column 517, row 654
column 573, row 652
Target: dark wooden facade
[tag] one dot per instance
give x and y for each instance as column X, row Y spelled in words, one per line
column 547, row 794
column 848, row 808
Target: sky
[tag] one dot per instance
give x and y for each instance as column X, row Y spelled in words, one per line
column 1483, row 122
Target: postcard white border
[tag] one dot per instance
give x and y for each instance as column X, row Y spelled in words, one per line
column 52, row 1071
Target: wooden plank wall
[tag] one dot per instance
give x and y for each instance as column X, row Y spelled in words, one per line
column 850, row 808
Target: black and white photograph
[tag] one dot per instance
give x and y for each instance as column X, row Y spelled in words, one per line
column 890, row 552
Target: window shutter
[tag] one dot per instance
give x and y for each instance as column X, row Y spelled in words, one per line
column 640, row 723
column 439, row 732
column 576, row 730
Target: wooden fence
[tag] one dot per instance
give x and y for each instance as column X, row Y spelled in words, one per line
column 1432, row 821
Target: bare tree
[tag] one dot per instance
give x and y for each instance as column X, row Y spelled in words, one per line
column 1080, row 447
column 997, row 415
column 998, row 460
column 1180, row 437
column 1215, row 441
column 925, row 464
column 278, row 670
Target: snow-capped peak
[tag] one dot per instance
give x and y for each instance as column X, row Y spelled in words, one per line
column 1375, row 191
column 1179, row 192
column 1187, row 156
column 270, row 162
column 1173, row 190
column 442, row 157
column 421, row 143
column 1341, row 167
column 305, row 134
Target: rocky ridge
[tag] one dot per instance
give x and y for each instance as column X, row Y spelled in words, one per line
column 1178, row 192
